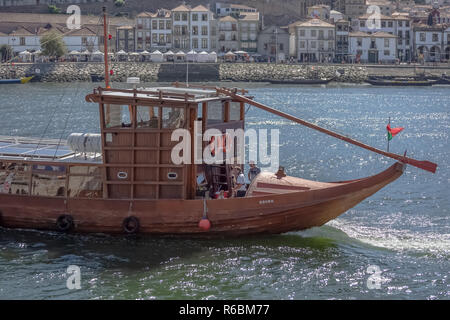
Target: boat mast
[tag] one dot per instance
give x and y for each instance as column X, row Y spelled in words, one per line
column 105, row 44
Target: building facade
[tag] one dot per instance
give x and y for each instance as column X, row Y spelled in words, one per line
column 273, row 42
column 429, row 43
column 378, row 47
column 314, row 41
column 342, row 40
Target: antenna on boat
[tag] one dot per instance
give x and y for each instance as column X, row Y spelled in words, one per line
column 105, row 44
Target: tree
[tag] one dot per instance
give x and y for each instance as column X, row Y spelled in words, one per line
column 6, row 52
column 119, row 3
column 53, row 9
column 52, row 45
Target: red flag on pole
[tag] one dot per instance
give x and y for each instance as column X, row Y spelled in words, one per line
column 392, row 131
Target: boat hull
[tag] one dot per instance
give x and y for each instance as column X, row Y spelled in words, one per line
column 420, row 83
column 269, row 214
column 301, row 81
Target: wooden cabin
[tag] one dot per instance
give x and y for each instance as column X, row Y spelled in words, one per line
column 136, row 129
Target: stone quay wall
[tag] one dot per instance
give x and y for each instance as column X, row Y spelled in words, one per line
column 204, row 72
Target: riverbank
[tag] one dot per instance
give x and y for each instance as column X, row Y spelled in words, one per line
column 204, row 72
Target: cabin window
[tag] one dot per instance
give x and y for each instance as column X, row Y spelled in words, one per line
column 117, row 116
column 48, row 181
column 172, row 118
column 215, row 112
column 147, row 117
column 85, row 182
column 235, row 111
column 14, row 178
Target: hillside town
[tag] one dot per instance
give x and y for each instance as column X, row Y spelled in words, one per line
column 343, row 31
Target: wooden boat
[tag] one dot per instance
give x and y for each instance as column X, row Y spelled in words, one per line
column 19, row 81
column 441, row 80
column 400, row 82
column 124, row 180
column 302, row 81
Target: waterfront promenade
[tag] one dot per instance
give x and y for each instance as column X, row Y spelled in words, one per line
column 258, row 72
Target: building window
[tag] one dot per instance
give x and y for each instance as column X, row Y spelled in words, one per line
column 387, row 53
column 390, row 24
column 161, row 24
column 362, row 24
column 194, row 30
column 161, row 39
column 177, row 17
column 435, row 37
column 195, row 43
column 386, row 43
column 22, row 41
column 204, row 30
column 359, row 42
column 168, row 24
column 168, row 38
column 154, row 38
column 154, row 25
column 313, row 33
column 204, row 43
column 194, row 17
column 177, row 30
column 313, row 44
column 205, row 17
column 383, row 24
column 422, row 36
column 184, row 17
column 302, row 33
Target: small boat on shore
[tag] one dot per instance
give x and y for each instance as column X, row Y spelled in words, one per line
column 441, row 80
column 18, row 81
column 400, row 82
column 302, row 81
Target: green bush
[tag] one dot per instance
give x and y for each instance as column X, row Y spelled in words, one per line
column 119, row 3
column 53, row 9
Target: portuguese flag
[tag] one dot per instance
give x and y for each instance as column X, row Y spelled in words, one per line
column 392, row 131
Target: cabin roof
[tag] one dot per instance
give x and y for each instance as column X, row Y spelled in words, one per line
column 177, row 95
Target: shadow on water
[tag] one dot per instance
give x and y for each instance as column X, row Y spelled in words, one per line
column 146, row 251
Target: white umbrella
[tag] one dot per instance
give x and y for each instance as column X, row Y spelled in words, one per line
column 74, row 52
column 121, row 52
column 145, row 53
column 97, row 52
column 168, row 53
column 157, row 56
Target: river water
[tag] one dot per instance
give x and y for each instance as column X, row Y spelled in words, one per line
column 402, row 232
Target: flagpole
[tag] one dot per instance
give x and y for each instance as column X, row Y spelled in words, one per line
column 389, row 123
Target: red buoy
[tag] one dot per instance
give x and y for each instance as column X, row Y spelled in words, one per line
column 204, row 224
